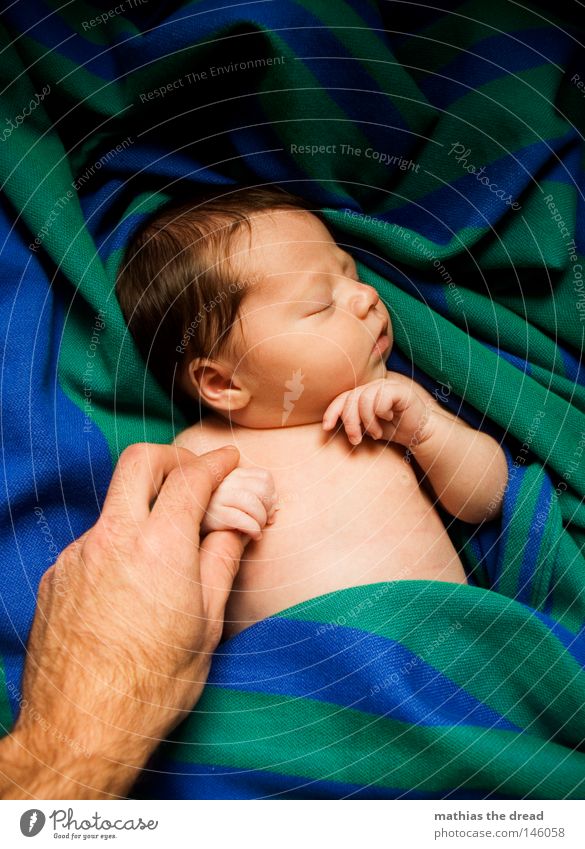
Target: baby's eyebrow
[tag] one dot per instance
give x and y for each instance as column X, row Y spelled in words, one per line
column 305, row 292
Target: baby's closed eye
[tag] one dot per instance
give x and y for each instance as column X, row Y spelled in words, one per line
column 321, row 309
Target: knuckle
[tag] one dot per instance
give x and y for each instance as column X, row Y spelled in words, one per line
column 175, row 478
column 135, row 453
column 99, row 544
column 46, row 580
column 246, row 497
column 188, row 477
column 263, row 476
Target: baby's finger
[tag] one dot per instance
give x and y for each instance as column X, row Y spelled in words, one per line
column 251, row 504
column 334, row 410
column 368, row 416
column 238, row 520
column 351, row 419
column 261, row 483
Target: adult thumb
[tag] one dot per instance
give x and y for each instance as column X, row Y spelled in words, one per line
column 219, row 558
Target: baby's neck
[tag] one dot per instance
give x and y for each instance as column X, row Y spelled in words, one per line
column 222, row 424
column 231, row 429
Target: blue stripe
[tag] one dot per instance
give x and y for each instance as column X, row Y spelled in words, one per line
column 574, row 643
column 515, row 476
column 530, row 557
column 41, row 431
column 347, row 667
column 494, row 57
column 573, row 368
column 174, row 780
column 486, row 541
column 465, row 201
column 517, row 362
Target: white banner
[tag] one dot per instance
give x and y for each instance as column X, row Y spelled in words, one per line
column 276, row 824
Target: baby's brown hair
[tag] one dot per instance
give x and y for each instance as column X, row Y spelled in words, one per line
column 177, row 288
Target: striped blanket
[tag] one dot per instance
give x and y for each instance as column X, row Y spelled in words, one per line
column 447, row 152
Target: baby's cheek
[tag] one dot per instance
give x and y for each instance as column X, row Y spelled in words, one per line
column 343, row 370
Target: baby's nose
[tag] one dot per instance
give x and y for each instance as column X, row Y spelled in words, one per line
column 365, row 299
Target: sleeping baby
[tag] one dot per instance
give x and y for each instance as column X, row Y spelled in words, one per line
column 244, row 305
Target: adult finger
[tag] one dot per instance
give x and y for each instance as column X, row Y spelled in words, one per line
column 221, row 552
column 137, row 479
column 175, row 519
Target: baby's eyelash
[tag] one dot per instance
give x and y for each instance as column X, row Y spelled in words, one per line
column 321, row 310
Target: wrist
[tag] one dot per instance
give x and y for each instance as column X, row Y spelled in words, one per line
column 39, row 761
column 34, row 767
column 421, row 441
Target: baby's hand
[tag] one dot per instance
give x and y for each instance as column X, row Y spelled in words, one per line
column 385, row 408
column 244, row 501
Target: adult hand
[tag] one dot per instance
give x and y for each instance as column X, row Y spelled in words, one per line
column 126, row 623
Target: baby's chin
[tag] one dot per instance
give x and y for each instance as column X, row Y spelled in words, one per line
column 377, row 366
column 380, row 369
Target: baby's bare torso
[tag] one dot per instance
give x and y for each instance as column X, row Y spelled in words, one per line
column 347, row 516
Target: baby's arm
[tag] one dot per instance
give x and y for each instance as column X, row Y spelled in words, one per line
column 466, row 468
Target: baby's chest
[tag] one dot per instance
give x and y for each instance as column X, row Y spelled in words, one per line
column 335, row 502
column 332, row 488
column 346, row 482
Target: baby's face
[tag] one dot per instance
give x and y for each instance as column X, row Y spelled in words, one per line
column 310, row 327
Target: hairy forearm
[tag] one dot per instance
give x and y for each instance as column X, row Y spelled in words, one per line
column 466, row 468
column 97, row 747
column 39, row 767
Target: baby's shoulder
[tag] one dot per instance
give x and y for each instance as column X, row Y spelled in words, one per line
column 202, row 437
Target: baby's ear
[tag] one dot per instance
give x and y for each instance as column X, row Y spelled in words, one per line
column 204, row 374
column 214, row 384
column 190, row 378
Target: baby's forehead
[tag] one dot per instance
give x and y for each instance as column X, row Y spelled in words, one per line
column 267, row 288
column 292, row 285
column 282, row 251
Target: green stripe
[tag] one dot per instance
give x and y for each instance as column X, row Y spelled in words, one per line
column 316, row 740
column 370, row 49
column 445, row 40
column 474, row 372
column 6, row 718
column 498, row 117
column 87, row 92
column 479, row 655
column 302, row 113
column 568, row 607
